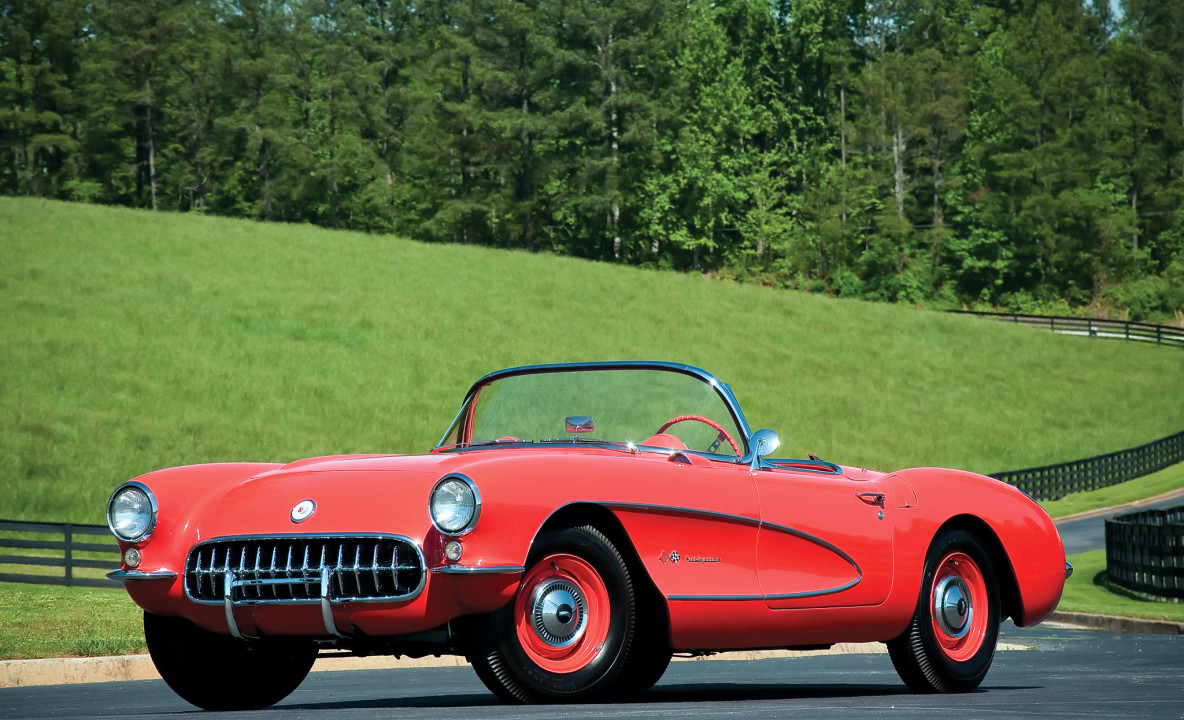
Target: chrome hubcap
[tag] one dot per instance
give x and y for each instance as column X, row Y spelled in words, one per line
column 559, row 613
column 951, row 606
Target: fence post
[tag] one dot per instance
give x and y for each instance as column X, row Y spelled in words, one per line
column 69, row 537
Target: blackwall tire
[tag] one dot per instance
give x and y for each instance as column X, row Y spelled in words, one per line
column 568, row 633
column 950, row 641
column 219, row 672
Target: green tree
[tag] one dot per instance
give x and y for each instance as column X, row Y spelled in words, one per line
column 39, row 112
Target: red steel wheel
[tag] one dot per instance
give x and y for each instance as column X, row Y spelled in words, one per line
column 561, row 613
column 950, row 642
column 959, row 588
column 571, row 630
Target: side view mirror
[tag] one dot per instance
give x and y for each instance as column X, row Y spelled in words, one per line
column 764, row 443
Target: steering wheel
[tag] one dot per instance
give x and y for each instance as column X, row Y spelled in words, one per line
column 723, row 434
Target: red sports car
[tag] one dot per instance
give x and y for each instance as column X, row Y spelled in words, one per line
column 576, row 526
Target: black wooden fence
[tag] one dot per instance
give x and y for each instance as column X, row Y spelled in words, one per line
column 60, row 552
column 1092, row 327
column 1145, row 552
column 1055, row 481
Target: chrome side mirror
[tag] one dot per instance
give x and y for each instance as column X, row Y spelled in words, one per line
column 761, row 444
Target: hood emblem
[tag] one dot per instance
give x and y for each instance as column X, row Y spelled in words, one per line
column 303, row 510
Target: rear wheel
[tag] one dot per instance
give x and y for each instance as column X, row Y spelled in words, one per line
column 219, row 672
column 950, row 642
column 569, row 630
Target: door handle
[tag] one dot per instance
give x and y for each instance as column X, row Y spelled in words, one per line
column 871, row 498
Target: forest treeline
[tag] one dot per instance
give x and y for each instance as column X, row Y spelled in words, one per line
column 1020, row 154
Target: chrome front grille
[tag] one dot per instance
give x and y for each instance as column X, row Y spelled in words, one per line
column 294, row 568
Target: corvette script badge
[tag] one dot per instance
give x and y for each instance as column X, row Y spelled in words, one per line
column 303, row 510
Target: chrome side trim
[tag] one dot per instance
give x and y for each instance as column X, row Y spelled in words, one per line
column 490, row 570
column 824, row 467
column 816, row 593
column 136, row 575
column 678, row 510
column 716, row 598
column 773, row 527
column 817, row 541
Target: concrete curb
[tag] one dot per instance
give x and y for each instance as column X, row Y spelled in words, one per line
column 1117, row 624
column 1115, row 509
column 69, row 671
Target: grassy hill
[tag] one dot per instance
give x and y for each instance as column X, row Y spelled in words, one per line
column 131, row 341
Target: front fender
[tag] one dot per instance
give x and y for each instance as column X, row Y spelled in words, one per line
column 1029, row 539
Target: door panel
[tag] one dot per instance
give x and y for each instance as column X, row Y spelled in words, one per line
column 824, row 541
column 695, row 530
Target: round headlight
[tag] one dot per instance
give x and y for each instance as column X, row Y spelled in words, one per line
column 455, row 505
column 131, row 512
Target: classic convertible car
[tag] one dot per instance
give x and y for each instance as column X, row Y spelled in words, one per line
column 576, row 526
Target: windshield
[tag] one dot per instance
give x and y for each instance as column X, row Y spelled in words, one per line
column 657, row 407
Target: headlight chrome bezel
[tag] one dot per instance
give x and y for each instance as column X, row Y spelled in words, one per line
column 454, row 530
column 149, row 526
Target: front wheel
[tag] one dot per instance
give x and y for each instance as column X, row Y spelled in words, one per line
column 950, row 642
column 219, row 672
column 569, row 630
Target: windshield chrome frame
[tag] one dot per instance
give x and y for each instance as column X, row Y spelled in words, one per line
column 722, row 388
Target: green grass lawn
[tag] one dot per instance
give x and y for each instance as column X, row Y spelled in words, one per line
column 137, row 340
column 1086, row 592
column 1165, row 480
column 132, row 341
column 40, row 621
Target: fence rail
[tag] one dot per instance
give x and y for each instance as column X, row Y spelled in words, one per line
column 1145, row 552
column 67, row 553
column 1093, row 327
column 1051, row 482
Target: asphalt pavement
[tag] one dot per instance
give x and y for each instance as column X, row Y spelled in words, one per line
column 1053, row 673
column 1087, row 531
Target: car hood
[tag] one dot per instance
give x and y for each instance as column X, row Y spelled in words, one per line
column 349, row 494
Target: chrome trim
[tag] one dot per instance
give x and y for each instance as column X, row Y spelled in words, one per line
column 229, row 584
column 151, row 502
column 490, row 570
column 953, row 606
column 817, row 593
column 824, row 467
column 716, row 598
column 774, row 527
column 825, row 545
column 476, row 500
column 1068, row 570
column 122, row 575
column 308, row 573
column 679, row 510
column 559, row 613
column 762, row 444
column 725, row 392
column 326, row 605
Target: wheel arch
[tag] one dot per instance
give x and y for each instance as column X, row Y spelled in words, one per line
column 653, row 602
column 1011, row 604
